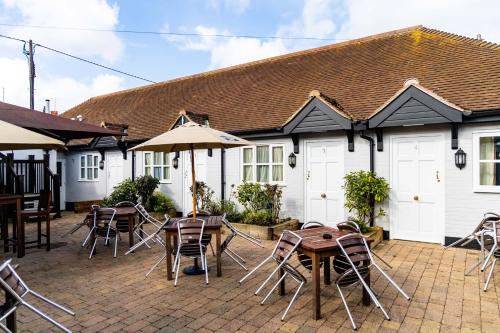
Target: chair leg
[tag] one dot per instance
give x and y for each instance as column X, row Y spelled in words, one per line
column 292, row 300
column 347, row 308
column 93, row 248
column 382, row 260
column 234, row 259
column 206, row 267
column 87, row 237
column 47, row 232
column 43, row 298
column 490, row 274
column 44, row 316
column 177, row 269
column 253, row 270
column 4, row 328
column 39, row 232
column 212, row 248
column 236, row 255
column 116, row 244
column 158, row 263
column 273, row 288
column 392, row 282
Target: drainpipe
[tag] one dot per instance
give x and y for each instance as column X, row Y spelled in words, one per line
column 133, row 165
column 222, row 174
column 372, row 169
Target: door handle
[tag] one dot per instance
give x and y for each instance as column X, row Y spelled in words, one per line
column 323, row 195
column 415, row 197
column 437, row 176
column 308, row 175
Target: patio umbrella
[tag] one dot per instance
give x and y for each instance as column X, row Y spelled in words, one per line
column 191, row 136
column 15, row 137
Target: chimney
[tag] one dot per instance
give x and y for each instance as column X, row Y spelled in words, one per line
column 479, row 37
column 54, row 113
column 47, row 106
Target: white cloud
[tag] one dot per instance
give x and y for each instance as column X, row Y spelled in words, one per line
column 235, row 6
column 65, row 92
column 465, row 17
column 75, row 13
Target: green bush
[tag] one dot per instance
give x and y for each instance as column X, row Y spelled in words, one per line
column 260, row 217
column 252, row 196
column 228, row 207
column 364, row 189
column 260, row 201
column 204, row 195
column 145, row 186
column 161, row 203
column 124, row 191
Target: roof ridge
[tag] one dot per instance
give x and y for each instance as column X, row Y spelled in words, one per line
column 265, row 60
column 458, row 37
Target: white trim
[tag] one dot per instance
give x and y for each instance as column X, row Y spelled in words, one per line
column 85, row 167
column 152, row 166
column 476, row 187
column 254, row 163
column 441, row 195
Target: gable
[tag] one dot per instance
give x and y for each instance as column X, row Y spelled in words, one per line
column 415, row 107
column 317, row 116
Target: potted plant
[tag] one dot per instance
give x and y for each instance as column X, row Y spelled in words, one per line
column 363, row 191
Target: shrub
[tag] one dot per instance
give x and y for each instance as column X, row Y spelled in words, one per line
column 145, row 186
column 257, row 199
column 161, row 203
column 260, row 217
column 274, row 194
column 228, row 207
column 204, row 195
column 124, row 191
column 364, row 189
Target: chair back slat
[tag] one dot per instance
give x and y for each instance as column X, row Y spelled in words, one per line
column 287, row 244
column 11, row 279
column 103, row 215
column 348, row 226
column 190, row 230
column 354, row 247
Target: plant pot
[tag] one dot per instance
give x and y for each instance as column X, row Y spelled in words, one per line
column 377, row 234
column 265, row 232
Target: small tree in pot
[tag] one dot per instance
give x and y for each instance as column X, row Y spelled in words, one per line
column 364, row 189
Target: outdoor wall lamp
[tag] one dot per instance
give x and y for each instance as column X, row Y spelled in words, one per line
column 101, row 164
column 460, row 158
column 292, row 160
column 175, row 163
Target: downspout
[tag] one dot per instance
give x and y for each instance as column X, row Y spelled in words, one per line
column 372, row 169
column 133, row 165
column 222, row 174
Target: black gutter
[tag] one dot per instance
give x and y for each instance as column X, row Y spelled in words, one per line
column 133, row 165
column 222, row 174
column 372, row 169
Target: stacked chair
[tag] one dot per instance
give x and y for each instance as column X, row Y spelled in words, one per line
column 282, row 252
column 102, row 228
column 493, row 250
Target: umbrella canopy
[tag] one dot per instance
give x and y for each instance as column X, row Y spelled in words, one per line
column 191, row 136
column 15, row 137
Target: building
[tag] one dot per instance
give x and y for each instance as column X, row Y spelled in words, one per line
column 401, row 103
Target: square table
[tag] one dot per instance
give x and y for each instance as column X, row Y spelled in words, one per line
column 122, row 213
column 320, row 249
column 213, row 225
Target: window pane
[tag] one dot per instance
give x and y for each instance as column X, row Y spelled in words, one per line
column 166, row 173
column 147, row 171
column 96, row 160
column 89, row 174
column 247, row 173
column 166, row 159
column 277, row 154
column 247, row 155
column 157, row 172
column 489, row 148
column 262, row 154
column 89, row 160
column 277, row 173
column 489, row 173
column 82, row 173
column 147, row 159
column 82, row 161
column 96, row 173
column 157, row 159
column 262, row 173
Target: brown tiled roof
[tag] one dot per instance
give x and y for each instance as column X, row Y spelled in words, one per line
column 360, row 75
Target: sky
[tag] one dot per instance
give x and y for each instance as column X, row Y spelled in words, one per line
column 68, row 82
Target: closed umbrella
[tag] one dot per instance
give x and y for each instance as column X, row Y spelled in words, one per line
column 14, row 137
column 191, row 136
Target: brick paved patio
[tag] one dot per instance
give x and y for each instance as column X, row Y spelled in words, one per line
column 111, row 295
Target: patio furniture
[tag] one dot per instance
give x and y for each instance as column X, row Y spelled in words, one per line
column 7, row 199
column 190, row 244
column 207, row 238
column 213, row 225
column 353, row 227
column 357, row 252
column 304, row 259
column 284, row 249
column 493, row 249
column 235, row 232
column 17, row 290
column 42, row 212
column 102, row 228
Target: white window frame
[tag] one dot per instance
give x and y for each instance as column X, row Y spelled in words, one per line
column 254, row 163
column 477, row 187
column 152, row 166
column 86, row 167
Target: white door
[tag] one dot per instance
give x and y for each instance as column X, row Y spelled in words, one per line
column 200, row 158
column 324, row 174
column 417, row 198
column 114, row 161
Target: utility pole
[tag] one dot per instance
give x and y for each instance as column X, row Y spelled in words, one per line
column 31, row 64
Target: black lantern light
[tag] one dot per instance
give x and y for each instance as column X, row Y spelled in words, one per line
column 460, row 158
column 292, row 160
column 101, row 164
column 175, row 163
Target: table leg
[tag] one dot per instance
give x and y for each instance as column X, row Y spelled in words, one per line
column 316, row 286
column 366, row 296
column 168, row 249
column 20, row 230
column 218, row 252
column 282, row 290
column 131, row 231
column 11, row 320
column 326, row 273
column 5, row 229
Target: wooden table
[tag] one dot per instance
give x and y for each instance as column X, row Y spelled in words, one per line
column 122, row 213
column 212, row 226
column 13, row 199
column 319, row 249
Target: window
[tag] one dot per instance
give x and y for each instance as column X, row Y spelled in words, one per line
column 89, row 167
column 486, row 161
column 263, row 164
column 158, row 165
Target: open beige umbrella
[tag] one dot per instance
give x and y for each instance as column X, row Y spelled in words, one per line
column 14, row 137
column 191, row 136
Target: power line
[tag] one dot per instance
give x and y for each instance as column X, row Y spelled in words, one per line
column 81, row 59
column 182, row 34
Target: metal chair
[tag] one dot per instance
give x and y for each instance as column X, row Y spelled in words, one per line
column 102, row 228
column 207, row 238
column 151, row 237
column 284, row 249
column 358, row 255
column 353, row 227
column 190, row 244
column 234, row 233
column 304, row 259
column 147, row 218
column 494, row 251
column 17, row 289
column 41, row 212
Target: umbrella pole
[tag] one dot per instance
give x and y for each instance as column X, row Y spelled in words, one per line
column 193, row 177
